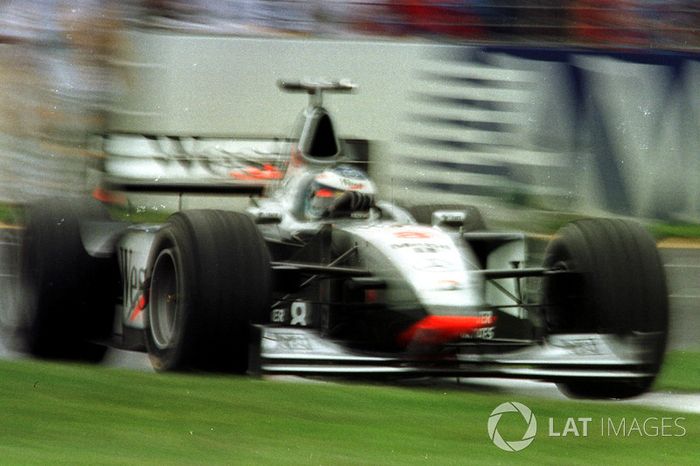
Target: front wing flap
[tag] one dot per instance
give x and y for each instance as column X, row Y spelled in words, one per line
column 301, row 351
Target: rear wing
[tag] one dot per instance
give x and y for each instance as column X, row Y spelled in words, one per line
column 316, row 88
column 201, row 165
column 155, row 163
column 318, row 142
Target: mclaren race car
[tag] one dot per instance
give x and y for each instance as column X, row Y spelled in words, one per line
column 318, row 277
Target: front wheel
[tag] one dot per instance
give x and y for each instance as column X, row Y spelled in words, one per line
column 210, row 278
column 618, row 287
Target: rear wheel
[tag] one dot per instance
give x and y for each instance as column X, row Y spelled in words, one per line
column 68, row 296
column 473, row 220
column 210, row 279
column 619, row 288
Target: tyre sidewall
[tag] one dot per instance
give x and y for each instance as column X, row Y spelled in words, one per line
column 224, row 278
column 66, row 302
column 172, row 357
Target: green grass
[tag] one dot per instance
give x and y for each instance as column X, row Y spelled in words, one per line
column 10, row 214
column 671, row 230
column 66, row 414
column 13, row 214
column 680, row 372
column 542, row 221
column 142, row 214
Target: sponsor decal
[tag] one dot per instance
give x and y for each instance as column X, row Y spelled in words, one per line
column 430, row 264
column 422, row 247
column 133, row 276
column 351, row 184
column 448, row 284
column 293, row 342
column 484, row 333
column 413, row 234
column 583, row 346
column 349, row 171
column 434, row 329
column 251, row 173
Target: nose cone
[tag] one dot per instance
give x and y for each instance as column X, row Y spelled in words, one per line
column 435, row 330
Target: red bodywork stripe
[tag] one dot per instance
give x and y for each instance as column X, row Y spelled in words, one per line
column 109, row 197
column 140, row 305
column 433, row 330
column 267, row 172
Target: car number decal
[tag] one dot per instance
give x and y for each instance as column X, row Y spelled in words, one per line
column 299, row 314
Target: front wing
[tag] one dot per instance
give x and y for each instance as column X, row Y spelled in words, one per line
column 302, row 351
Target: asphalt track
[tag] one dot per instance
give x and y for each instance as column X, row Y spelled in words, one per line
column 682, row 264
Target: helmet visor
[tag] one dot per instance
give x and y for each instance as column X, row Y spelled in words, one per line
column 320, row 199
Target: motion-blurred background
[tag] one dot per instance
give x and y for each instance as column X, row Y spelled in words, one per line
column 555, row 108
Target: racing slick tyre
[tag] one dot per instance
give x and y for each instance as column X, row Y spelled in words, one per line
column 210, row 278
column 619, row 288
column 424, row 214
column 67, row 303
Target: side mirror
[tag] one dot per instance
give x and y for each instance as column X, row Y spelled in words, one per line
column 448, row 218
column 265, row 216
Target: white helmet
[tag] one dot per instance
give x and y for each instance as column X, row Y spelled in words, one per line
column 327, row 187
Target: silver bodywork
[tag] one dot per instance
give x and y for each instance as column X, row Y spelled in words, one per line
column 557, row 357
column 434, row 268
column 421, row 270
column 134, row 255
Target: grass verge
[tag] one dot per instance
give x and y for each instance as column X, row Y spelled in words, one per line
column 10, row 214
column 139, row 214
column 680, row 372
column 671, row 230
column 67, row 414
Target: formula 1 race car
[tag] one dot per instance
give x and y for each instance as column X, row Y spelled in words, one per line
column 317, row 277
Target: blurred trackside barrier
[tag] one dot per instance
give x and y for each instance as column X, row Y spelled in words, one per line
column 56, row 75
column 671, row 24
column 579, row 130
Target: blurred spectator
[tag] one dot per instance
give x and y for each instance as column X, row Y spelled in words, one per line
column 57, row 85
column 23, row 31
column 678, row 23
column 83, row 81
column 606, row 23
column 221, row 16
column 535, row 20
column 609, row 23
column 234, row 16
column 373, row 17
column 449, row 18
column 500, row 17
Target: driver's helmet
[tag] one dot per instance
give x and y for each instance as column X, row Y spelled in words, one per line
column 327, row 186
